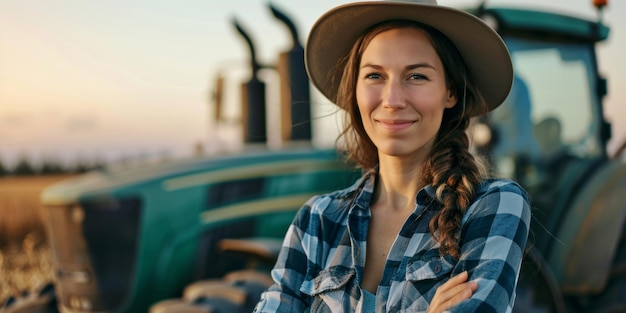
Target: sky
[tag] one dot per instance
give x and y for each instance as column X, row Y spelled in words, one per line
column 107, row 80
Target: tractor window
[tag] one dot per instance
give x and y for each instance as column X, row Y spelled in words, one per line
column 553, row 105
column 235, row 191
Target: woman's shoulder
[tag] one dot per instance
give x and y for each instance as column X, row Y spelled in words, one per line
column 499, row 186
column 334, row 202
column 499, row 196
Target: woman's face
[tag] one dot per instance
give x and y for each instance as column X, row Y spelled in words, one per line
column 401, row 92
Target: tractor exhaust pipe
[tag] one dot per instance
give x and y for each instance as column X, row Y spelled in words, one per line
column 294, row 86
column 253, row 97
column 294, row 91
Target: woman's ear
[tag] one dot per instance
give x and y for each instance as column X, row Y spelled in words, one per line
column 451, row 100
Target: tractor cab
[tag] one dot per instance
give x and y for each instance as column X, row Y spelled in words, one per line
column 550, row 135
column 550, row 131
column 554, row 110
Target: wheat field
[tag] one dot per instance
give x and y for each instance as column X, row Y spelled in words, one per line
column 25, row 256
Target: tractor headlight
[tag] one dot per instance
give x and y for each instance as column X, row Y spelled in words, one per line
column 482, row 135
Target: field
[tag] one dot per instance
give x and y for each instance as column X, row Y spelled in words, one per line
column 25, row 256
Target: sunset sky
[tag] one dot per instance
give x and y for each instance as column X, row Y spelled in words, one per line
column 111, row 79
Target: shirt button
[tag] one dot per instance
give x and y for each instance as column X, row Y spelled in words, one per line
column 437, row 268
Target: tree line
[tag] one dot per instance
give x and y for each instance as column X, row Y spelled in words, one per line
column 25, row 167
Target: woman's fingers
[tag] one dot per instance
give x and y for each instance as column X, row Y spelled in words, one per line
column 454, row 281
column 455, row 290
column 458, row 293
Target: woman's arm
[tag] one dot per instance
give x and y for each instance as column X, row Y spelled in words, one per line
column 290, row 269
column 455, row 290
column 493, row 236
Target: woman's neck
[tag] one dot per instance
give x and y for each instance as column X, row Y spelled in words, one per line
column 398, row 183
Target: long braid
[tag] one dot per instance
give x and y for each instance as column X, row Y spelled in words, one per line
column 454, row 173
column 451, row 169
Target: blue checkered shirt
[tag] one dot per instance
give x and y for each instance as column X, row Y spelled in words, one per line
column 321, row 263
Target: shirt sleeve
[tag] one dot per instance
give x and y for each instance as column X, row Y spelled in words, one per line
column 290, row 269
column 493, row 236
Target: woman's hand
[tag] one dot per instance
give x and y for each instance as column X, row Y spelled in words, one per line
column 452, row 292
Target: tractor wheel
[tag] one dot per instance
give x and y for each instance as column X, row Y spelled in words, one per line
column 537, row 291
column 236, row 292
column 177, row 306
column 613, row 298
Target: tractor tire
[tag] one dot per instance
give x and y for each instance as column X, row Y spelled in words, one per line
column 613, row 297
column 236, row 292
column 177, row 306
column 537, row 290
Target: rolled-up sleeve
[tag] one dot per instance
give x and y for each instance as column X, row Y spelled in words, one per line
column 493, row 236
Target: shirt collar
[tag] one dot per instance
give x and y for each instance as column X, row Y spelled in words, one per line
column 424, row 197
column 365, row 192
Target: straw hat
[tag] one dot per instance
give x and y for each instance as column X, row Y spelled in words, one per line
column 334, row 33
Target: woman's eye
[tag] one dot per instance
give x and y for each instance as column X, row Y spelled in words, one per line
column 417, row 77
column 373, row 76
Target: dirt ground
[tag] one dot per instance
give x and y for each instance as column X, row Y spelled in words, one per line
column 25, row 268
column 25, row 256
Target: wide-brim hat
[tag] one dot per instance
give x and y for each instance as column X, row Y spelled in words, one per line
column 332, row 36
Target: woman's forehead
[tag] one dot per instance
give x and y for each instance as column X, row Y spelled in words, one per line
column 406, row 44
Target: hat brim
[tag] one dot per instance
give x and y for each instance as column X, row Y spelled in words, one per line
column 334, row 33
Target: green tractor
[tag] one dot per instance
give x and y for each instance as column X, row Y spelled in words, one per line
column 201, row 235
column 125, row 239
column 551, row 136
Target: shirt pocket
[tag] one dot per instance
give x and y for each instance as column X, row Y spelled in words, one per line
column 429, row 266
column 329, row 289
column 424, row 274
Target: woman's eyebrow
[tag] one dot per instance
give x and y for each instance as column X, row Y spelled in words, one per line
column 374, row 66
column 420, row 65
column 408, row 67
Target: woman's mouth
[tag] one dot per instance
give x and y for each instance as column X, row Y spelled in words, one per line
column 395, row 124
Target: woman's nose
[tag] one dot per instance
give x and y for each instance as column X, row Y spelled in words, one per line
column 393, row 95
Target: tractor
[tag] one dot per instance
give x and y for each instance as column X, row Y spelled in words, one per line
column 200, row 235
column 551, row 136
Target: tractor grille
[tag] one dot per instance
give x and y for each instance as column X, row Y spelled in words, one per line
column 95, row 246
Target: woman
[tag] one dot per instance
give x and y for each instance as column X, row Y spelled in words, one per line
column 423, row 230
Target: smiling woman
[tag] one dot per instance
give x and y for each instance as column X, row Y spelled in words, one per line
column 401, row 91
column 424, row 229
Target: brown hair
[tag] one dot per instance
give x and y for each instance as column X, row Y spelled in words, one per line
column 450, row 168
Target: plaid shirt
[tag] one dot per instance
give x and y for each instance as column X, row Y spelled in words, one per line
column 321, row 262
